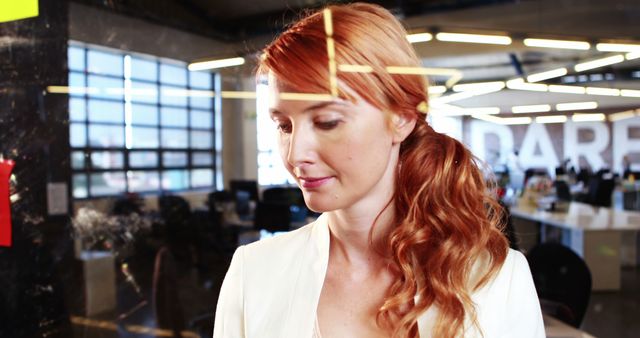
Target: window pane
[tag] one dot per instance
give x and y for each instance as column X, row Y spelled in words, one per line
column 201, row 139
column 201, row 178
column 201, row 119
column 173, row 117
column 174, row 159
column 80, row 186
column 143, row 159
column 78, row 135
column 203, row 102
column 143, row 137
column 106, row 111
column 107, row 87
column 76, row 80
column 171, row 74
column 200, row 80
column 106, row 136
column 173, row 96
column 175, row 179
column 201, row 159
column 174, row 138
column 143, row 180
column 107, row 160
column 144, row 114
column 144, row 92
column 104, row 63
column 77, row 111
column 109, row 183
column 76, row 58
column 77, row 160
column 144, row 69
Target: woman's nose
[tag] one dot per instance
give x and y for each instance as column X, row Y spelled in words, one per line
column 301, row 147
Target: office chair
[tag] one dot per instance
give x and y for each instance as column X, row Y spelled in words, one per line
column 272, row 216
column 562, row 190
column 291, row 196
column 562, row 280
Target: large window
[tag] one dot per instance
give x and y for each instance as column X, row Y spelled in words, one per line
column 271, row 171
column 140, row 124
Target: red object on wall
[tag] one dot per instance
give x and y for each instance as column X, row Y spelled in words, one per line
column 5, row 204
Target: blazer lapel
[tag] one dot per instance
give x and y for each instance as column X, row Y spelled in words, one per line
column 306, row 292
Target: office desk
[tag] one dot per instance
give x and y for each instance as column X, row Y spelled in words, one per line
column 555, row 328
column 594, row 233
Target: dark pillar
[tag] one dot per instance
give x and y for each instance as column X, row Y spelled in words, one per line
column 34, row 133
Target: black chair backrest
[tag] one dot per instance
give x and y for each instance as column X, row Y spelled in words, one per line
column 600, row 190
column 272, row 216
column 562, row 190
column 561, row 276
column 175, row 210
column 250, row 186
column 166, row 303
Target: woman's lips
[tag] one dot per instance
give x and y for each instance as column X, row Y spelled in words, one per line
column 314, row 182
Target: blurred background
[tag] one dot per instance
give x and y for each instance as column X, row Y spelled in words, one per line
column 136, row 152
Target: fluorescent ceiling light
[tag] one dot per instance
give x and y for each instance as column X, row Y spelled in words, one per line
column 632, row 56
column 587, row 117
column 419, row 37
column 479, row 86
column 576, row 106
column 213, row 64
column 610, row 60
column 623, row 115
column 474, row 38
column 482, row 110
column 617, row 47
column 550, row 74
column 519, row 84
column 502, row 120
column 567, row 89
column 603, row 91
column 535, row 108
column 629, row 93
column 433, row 90
column 551, row 119
column 561, row 44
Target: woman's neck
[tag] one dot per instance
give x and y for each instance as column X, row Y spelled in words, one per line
column 357, row 236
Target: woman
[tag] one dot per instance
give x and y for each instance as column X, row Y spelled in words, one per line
column 408, row 243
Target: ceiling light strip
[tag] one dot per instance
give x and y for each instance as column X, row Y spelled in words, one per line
column 214, row 64
column 559, row 44
column 617, row 47
column 474, row 38
column 551, row 119
column 419, row 37
column 610, row 60
column 587, row 117
column 535, row 108
column 550, row 74
column 576, row 106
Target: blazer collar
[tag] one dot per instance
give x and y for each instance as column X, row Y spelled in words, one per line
column 306, row 293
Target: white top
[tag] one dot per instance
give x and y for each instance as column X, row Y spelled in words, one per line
column 273, row 287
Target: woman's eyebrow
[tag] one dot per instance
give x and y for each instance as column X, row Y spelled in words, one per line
column 319, row 105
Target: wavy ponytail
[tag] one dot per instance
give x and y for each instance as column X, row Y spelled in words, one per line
column 448, row 240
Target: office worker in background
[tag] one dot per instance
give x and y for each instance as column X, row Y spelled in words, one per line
column 408, row 243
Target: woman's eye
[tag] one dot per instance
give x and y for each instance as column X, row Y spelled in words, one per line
column 328, row 124
column 284, row 127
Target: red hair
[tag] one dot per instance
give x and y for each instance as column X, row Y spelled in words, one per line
column 446, row 241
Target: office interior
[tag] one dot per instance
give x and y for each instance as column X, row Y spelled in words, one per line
column 130, row 175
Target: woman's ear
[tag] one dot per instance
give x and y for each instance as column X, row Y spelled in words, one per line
column 402, row 125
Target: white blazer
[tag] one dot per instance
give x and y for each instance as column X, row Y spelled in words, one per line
column 273, row 287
